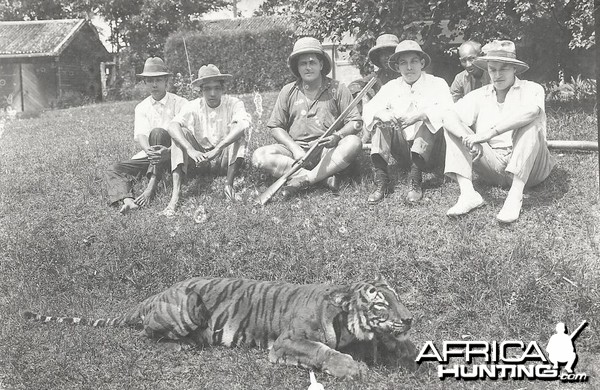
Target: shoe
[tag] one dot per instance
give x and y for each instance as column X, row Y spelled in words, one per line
column 465, row 204
column 333, row 182
column 382, row 183
column 510, row 211
column 415, row 193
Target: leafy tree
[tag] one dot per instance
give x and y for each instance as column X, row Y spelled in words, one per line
column 277, row 7
column 557, row 25
column 34, row 9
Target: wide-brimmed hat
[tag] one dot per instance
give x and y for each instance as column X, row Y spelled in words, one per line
column 384, row 41
column 308, row 45
column 500, row 51
column 210, row 73
column 154, row 67
column 407, row 46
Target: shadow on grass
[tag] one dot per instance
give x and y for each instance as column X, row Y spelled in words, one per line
column 554, row 187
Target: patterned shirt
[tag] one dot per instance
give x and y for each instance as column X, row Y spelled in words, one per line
column 150, row 113
column 429, row 94
column 464, row 83
column 305, row 120
column 211, row 125
column 480, row 108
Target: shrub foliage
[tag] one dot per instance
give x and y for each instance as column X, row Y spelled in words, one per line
column 257, row 59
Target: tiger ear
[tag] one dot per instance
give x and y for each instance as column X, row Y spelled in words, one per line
column 380, row 278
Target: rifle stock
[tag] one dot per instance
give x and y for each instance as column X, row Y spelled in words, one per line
column 273, row 188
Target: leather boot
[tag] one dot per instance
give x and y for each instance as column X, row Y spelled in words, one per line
column 415, row 192
column 382, row 183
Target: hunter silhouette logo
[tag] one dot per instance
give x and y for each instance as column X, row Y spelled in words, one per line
column 512, row 359
column 561, row 348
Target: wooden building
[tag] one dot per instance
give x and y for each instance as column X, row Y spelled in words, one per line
column 50, row 63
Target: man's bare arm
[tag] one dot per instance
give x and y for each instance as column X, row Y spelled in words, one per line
column 284, row 138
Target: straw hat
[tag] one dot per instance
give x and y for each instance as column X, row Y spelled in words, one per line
column 154, row 67
column 500, row 51
column 385, row 41
column 308, row 45
column 210, row 73
column 407, row 46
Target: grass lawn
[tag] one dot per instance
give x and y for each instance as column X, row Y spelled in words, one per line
column 64, row 251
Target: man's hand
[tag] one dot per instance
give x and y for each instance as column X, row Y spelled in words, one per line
column 476, row 152
column 158, row 154
column 330, row 142
column 197, row 156
column 298, row 151
column 407, row 120
column 212, row 154
column 477, row 138
column 385, row 116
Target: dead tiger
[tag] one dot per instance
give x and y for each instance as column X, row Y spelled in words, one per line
column 317, row 326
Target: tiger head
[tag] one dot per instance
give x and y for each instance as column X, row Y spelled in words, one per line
column 375, row 308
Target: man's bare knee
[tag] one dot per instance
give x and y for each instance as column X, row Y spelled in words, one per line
column 350, row 145
column 259, row 158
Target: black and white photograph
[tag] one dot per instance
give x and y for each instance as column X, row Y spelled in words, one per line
column 299, row 194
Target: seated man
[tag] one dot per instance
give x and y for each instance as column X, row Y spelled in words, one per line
column 472, row 77
column 209, row 129
column 405, row 117
column 498, row 131
column 152, row 116
column 303, row 112
column 379, row 56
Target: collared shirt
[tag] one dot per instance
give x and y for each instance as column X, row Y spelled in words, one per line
column 306, row 120
column 428, row 94
column 464, row 82
column 480, row 109
column 211, row 125
column 150, row 113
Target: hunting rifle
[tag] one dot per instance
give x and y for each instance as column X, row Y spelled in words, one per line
column 272, row 190
column 579, row 328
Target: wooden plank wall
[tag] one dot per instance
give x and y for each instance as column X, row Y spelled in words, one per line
column 10, row 86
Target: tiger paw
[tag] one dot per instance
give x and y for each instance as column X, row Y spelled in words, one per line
column 344, row 366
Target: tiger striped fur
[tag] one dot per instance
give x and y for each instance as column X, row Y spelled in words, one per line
column 305, row 325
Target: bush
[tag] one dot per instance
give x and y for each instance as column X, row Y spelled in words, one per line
column 257, row 59
column 579, row 93
column 579, row 90
column 133, row 90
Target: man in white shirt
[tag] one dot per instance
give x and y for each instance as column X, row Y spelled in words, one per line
column 152, row 116
column 209, row 131
column 498, row 131
column 406, row 117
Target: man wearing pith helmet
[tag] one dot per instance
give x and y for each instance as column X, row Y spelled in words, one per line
column 152, row 116
column 498, row 131
column 379, row 56
column 405, row 118
column 303, row 112
column 209, row 132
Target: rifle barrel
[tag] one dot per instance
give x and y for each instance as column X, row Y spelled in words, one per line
column 273, row 188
